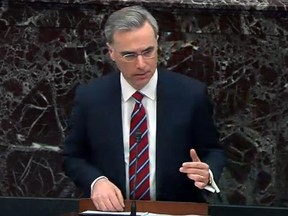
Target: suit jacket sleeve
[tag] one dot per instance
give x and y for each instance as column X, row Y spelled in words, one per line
column 76, row 148
column 208, row 137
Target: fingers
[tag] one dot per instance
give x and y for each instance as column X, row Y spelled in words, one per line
column 195, row 165
column 109, row 203
column 120, row 198
column 194, row 156
column 199, row 180
column 117, row 200
column 200, row 185
column 196, row 177
column 103, row 205
column 196, row 170
column 106, row 196
column 195, row 173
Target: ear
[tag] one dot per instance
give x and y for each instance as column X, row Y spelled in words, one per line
column 111, row 51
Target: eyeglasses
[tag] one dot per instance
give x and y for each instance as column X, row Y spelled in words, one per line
column 132, row 56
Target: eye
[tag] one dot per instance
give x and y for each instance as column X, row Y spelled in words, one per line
column 148, row 53
column 129, row 56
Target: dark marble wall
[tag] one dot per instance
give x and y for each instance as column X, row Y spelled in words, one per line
column 240, row 51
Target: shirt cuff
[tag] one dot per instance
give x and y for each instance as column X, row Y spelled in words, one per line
column 93, row 183
column 212, row 186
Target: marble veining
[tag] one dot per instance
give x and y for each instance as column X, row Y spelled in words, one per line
column 258, row 5
column 48, row 48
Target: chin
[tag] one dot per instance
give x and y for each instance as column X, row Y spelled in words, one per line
column 139, row 85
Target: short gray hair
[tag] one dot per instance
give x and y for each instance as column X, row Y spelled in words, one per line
column 127, row 19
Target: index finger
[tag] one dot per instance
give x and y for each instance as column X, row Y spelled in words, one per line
column 194, row 156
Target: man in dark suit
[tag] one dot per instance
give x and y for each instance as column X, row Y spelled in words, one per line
column 184, row 156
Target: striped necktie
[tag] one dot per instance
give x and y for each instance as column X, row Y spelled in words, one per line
column 139, row 152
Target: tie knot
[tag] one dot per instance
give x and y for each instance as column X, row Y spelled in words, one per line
column 138, row 96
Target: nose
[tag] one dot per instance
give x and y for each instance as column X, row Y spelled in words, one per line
column 140, row 63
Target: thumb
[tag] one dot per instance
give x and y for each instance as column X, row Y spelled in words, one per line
column 194, row 156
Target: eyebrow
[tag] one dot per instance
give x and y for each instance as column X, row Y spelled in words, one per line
column 130, row 52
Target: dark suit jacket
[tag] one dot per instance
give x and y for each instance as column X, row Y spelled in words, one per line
column 94, row 145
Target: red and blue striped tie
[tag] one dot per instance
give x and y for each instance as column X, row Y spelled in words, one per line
column 139, row 152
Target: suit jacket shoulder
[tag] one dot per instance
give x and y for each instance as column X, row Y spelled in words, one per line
column 99, row 88
column 179, row 86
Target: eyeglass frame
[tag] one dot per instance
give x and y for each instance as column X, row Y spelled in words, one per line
column 135, row 55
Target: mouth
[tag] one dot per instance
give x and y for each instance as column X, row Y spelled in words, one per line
column 141, row 75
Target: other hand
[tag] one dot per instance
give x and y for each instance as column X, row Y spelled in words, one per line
column 196, row 170
column 106, row 196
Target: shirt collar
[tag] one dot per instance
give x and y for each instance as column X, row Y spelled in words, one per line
column 149, row 90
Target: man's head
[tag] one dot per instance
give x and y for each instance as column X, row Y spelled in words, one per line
column 131, row 35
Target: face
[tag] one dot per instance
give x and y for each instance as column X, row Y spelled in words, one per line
column 135, row 54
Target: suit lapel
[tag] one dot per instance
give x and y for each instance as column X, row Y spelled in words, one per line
column 163, row 125
column 161, row 108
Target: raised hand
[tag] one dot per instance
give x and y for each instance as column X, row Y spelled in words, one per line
column 196, row 170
